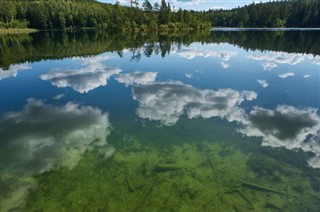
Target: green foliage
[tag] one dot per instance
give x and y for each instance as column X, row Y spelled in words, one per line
column 147, row 6
column 14, row 24
column 289, row 13
column 7, row 10
column 61, row 14
column 163, row 27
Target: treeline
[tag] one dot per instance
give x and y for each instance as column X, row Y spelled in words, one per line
column 286, row 13
column 62, row 14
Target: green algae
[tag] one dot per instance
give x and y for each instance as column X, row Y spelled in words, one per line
column 190, row 176
column 177, row 172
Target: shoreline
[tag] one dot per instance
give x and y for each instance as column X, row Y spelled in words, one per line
column 262, row 29
column 12, row 31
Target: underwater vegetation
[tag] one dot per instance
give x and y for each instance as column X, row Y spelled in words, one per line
column 199, row 175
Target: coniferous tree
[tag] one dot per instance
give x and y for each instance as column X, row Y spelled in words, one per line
column 147, row 6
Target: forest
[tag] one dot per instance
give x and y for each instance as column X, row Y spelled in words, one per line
column 143, row 16
column 286, row 13
column 64, row 14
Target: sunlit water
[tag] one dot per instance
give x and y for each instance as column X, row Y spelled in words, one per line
column 226, row 121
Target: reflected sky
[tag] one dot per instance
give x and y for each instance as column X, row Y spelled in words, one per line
column 42, row 137
column 166, row 102
column 139, row 78
column 38, row 128
column 288, row 127
column 272, row 59
column 268, row 66
column 192, row 53
column 91, row 75
column 13, row 70
column 263, row 83
column 205, row 66
column 286, row 75
column 60, row 107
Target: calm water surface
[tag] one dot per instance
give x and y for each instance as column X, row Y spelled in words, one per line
column 219, row 121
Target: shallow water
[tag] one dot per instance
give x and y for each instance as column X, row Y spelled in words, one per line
column 217, row 121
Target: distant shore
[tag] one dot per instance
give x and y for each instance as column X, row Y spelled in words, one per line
column 16, row 31
column 163, row 29
column 262, row 29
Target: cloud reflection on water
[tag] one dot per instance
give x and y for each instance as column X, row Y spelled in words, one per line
column 272, row 59
column 286, row 75
column 225, row 65
column 13, row 70
column 263, row 83
column 137, row 77
column 279, row 57
column 43, row 137
column 286, row 126
column 194, row 52
column 92, row 75
column 166, row 102
column 268, row 66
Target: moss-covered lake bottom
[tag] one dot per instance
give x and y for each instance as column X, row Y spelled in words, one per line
column 164, row 169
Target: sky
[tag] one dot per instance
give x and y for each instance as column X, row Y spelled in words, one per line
column 197, row 4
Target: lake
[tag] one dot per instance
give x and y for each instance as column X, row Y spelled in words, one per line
column 212, row 121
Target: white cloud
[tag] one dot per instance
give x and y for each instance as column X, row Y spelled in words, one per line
column 218, row 7
column 306, row 76
column 188, row 2
column 225, row 65
column 192, row 53
column 273, row 58
column 94, row 59
column 268, row 66
column 279, row 57
column 316, row 60
column 63, row 133
column 139, row 78
column 195, row 2
column 13, row 70
column 43, row 137
column 189, row 75
column 263, row 83
column 82, row 80
column 59, row 96
column 166, row 102
column 85, row 79
column 124, row 1
column 288, row 127
column 286, row 75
